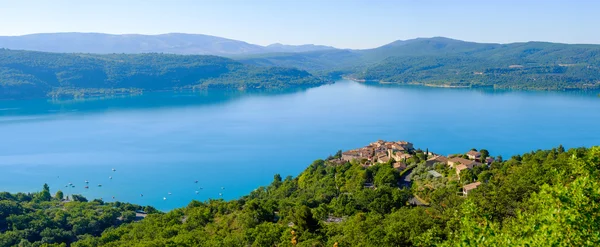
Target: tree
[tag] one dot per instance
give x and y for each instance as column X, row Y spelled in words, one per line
column 499, row 158
column 562, row 214
column 128, row 216
column 484, row 154
column 561, row 149
column 386, row 176
column 45, row 194
column 79, row 198
column 305, row 220
column 467, row 176
column 338, row 154
column 59, row 195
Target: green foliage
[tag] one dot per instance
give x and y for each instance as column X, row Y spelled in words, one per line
column 547, row 197
column 304, row 219
column 59, row 195
column 26, row 74
column 453, row 63
column 545, row 69
column 47, row 221
column 562, row 212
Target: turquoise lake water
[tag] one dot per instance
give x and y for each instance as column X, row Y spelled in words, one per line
column 160, row 143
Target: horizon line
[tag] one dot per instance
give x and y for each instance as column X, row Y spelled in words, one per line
column 275, row 43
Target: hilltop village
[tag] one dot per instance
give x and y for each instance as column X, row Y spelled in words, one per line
column 425, row 169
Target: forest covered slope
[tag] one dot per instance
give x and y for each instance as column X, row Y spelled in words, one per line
column 441, row 61
column 540, row 198
column 28, row 74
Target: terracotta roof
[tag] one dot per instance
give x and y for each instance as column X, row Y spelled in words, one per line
column 461, row 167
column 475, row 153
column 383, row 159
column 460, row 160
column 473, row 164
column 471, row 186
column 399, row 165
column 440, row 159
column 402, row 156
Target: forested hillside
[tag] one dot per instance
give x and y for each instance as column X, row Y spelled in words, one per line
column 447, row 62
column 433, row 61
column 541, row 198
column 39, row 219
column 532, row 65
column 27, row 74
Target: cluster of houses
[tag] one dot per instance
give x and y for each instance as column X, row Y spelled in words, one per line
column 460, row 164
column 383, row 151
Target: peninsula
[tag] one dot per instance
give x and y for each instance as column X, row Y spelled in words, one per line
column 30, row 74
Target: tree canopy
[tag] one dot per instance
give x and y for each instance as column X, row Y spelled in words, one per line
column 541, row 198
column 38, row 74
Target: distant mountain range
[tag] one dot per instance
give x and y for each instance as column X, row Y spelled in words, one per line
column 175, row 43
column 445, row 62
column 436, row 61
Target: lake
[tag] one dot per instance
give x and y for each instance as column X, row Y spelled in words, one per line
column 161, row 143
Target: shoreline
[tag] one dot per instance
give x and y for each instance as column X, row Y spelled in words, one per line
column 471, row 87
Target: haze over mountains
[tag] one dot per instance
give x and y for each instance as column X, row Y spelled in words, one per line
column 436, row 61
column 176, row 43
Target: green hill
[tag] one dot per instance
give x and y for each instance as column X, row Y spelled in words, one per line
column 541, row 198
column 26, row 74
column 447, row 62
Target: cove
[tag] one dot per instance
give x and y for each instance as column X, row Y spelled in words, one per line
column 161, row 143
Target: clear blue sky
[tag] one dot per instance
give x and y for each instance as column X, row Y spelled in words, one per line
column 340, row 23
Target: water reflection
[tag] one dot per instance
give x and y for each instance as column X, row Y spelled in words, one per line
column 485, row 90
column 124, row 102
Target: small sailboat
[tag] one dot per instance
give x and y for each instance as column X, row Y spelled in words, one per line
column 201, row 188
column 141, row 195
column 220, row 194
column 197, row 192
column 169, row 193
column 164, row 198
column 86, row 182
column 196, row 181
column 99, row 185
column 110, row 177
column 87, row 187
column 222, row 188
column 114, row 170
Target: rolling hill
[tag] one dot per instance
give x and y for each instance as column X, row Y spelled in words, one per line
column 175, row 43
column 442, row 61
column 436, row 61
column 29, row 74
